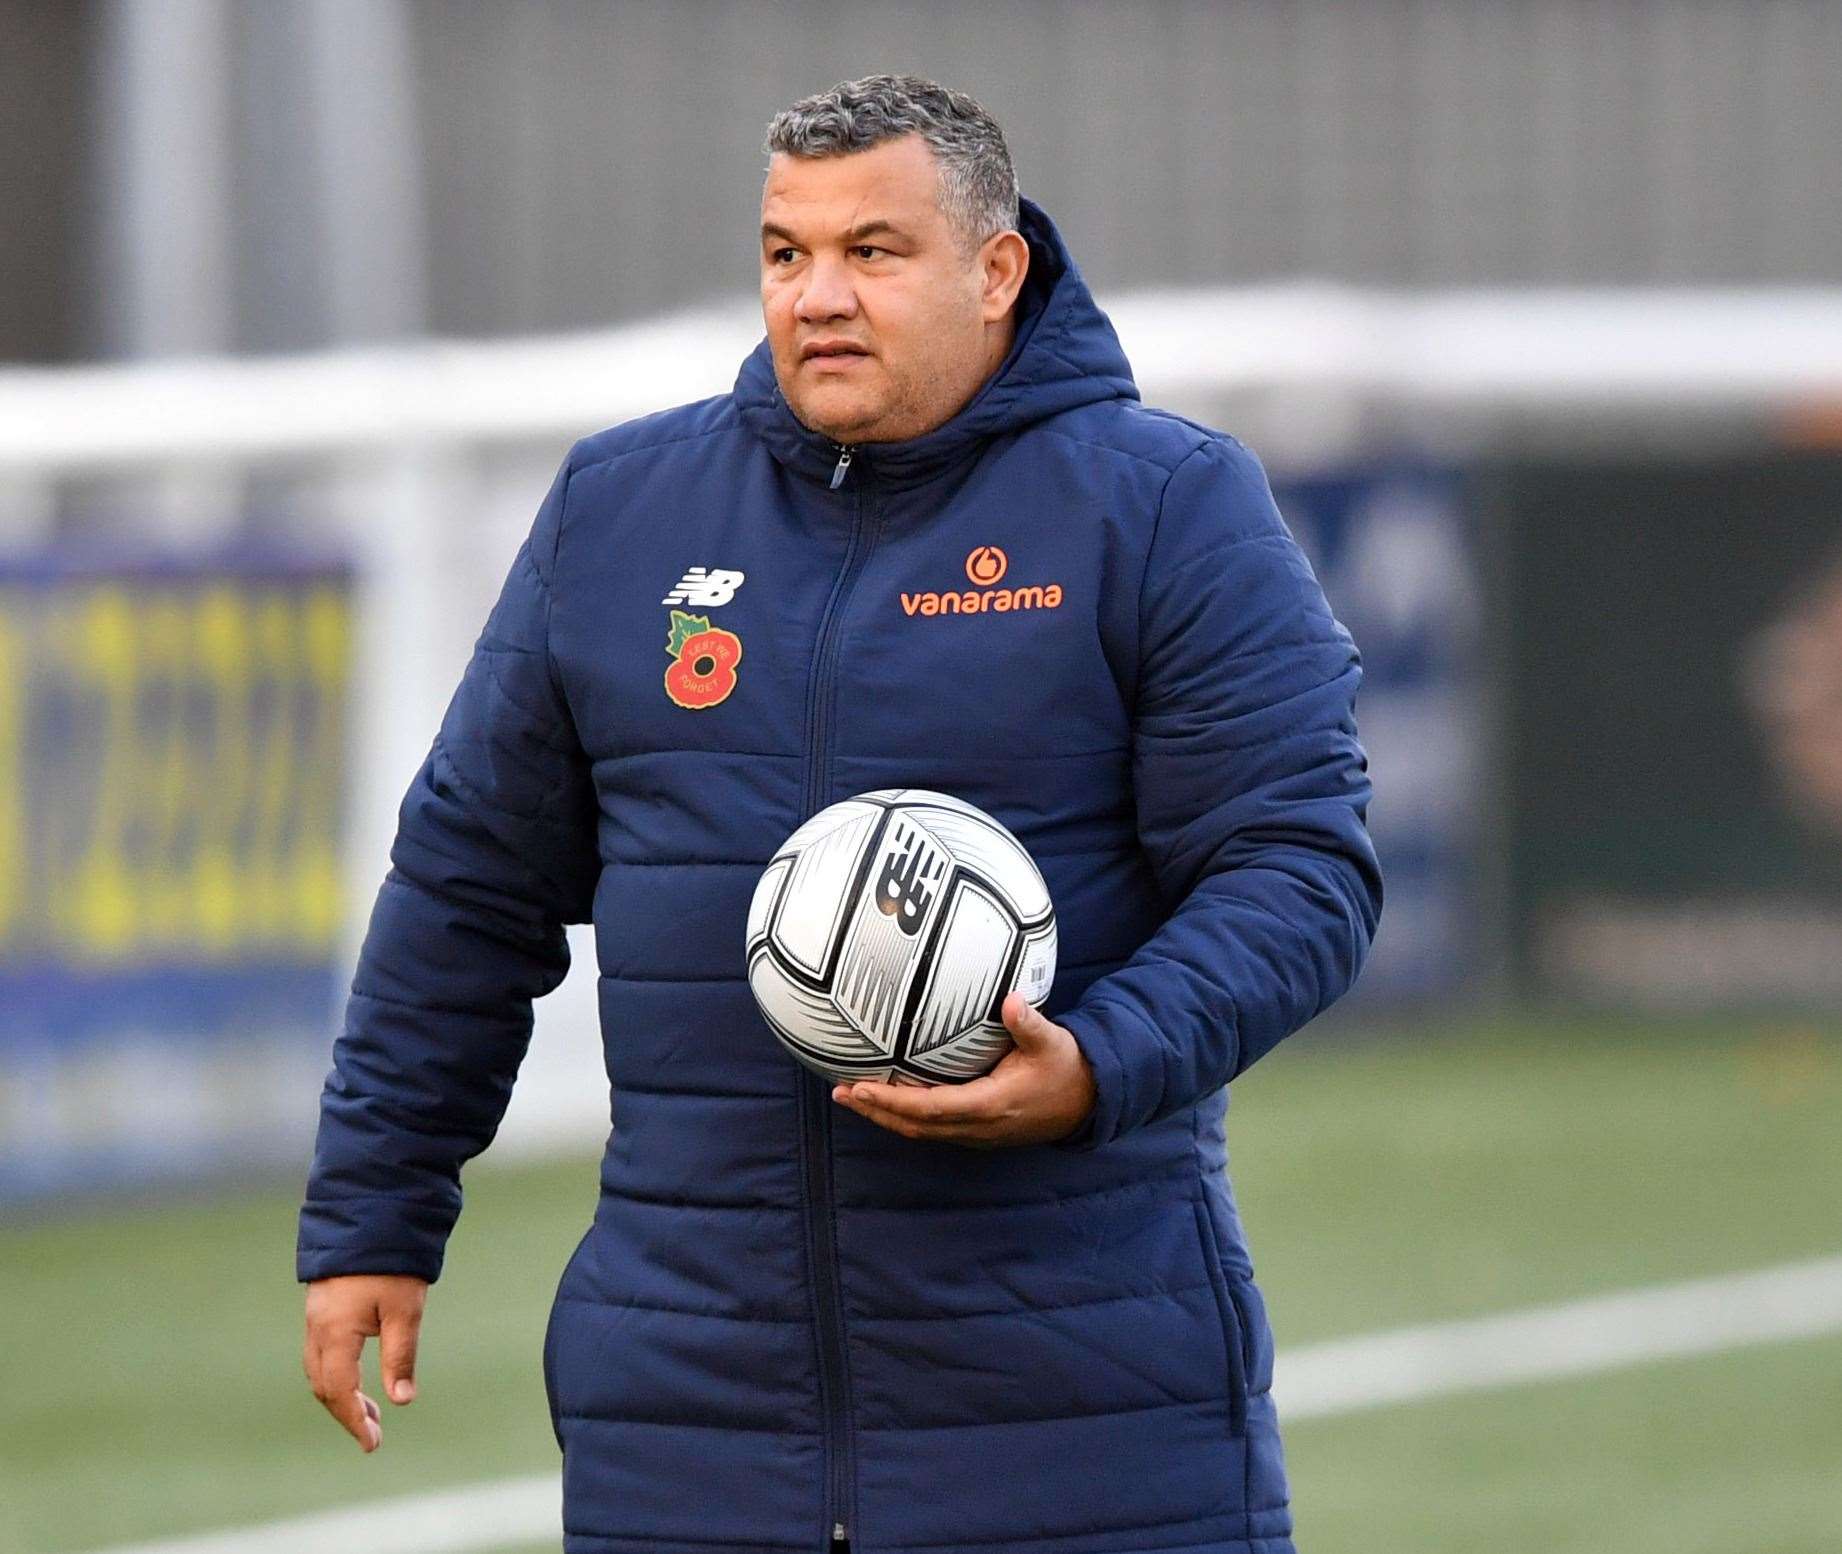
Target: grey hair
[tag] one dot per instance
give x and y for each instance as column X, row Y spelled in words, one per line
column 978, row 185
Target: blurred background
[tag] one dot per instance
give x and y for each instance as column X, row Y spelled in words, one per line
column 1532, row 308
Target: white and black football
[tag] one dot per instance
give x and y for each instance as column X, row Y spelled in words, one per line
column 886, row 933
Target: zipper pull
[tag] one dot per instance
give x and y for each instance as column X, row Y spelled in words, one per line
column 838, row 1534
column 844, row 467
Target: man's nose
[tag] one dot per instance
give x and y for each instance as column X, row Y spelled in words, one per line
column 827, row 293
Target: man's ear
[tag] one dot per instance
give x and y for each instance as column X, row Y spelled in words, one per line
column 1004, row 261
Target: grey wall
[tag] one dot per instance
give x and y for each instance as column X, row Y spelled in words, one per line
column 44, row 51
column 558, row 163
column 588, row 160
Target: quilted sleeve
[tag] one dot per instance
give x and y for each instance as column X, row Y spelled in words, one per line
column 1252, row 796
column 495, row 851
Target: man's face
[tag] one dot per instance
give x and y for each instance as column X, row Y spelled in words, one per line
column 880, row 327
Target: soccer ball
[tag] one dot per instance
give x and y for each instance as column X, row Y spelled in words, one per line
column 886, row 932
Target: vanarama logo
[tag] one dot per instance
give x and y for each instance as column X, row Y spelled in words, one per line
column 986, row 566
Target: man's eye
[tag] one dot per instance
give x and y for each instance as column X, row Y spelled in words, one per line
column 775, row 256
column 866, row 249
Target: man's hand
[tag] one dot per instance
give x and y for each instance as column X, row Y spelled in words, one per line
column 341, row 1314
column 1040, row 1091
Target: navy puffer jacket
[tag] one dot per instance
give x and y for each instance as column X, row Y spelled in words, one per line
column 787, row 1323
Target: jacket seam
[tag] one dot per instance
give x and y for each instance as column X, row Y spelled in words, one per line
column 499, row 927
column 1207, row 432
column 704, row 1205
column 753, row 1545
column 809, row 1262
column 1272, row 647
column 310, row 1252
column 672, row 1424
column 689, row 863
column 1025, row 1311
column 762, row 863
column 617, row 454
column 875, row 1319
column 328, row 1201
column 413, row 1007
column 1231, row 1517
column 419, row 1124
column 676, row 1311
column 555, row 669
column 1211, row 1256
column 1136, row 1183
column 548, row 887
column 1167, row 470
column 1035, row 1419
column 450, row 744
column 1234, row 542
column 1157, row 528
column 796, row 755
column 851, row 1421
column 674, row 981
column 753, row 755
column 1265, row 742
column 492, row 673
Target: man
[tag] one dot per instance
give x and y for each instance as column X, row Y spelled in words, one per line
column 1014, row 1314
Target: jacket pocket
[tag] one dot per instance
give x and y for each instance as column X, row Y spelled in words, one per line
column 556, row 1427
column 556, row 1307
column 1230, row 1319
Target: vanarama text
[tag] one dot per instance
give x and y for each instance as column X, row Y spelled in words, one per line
column 977, row 601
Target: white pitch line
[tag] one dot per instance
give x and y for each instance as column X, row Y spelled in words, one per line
column 443, row 1521
column 1577, row 1338
column 1602, row 1333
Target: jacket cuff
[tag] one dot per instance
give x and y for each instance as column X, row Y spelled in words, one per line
column 1102, row 1038
column 370, row 1235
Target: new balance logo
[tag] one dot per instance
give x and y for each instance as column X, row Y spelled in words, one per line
column 902, row 892
column 704, row 588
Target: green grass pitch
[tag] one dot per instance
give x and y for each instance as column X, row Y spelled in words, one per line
column 149, row 1356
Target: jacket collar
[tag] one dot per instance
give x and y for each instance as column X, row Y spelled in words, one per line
column 1065, row 353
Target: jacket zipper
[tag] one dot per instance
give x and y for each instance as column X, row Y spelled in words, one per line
column 816, row 1091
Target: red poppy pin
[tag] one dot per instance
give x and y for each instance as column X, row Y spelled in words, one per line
column 704, row 659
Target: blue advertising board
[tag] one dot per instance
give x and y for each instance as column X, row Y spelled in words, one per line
column 172, row 755
column 1396, row 549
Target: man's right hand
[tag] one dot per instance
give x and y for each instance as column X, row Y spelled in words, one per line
column 341, row 1314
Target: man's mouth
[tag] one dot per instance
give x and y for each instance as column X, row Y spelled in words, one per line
column 832, row 349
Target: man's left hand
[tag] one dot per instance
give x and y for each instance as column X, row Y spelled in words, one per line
column 1041, row 1090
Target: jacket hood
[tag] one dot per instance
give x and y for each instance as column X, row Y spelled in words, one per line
column 1065, row 354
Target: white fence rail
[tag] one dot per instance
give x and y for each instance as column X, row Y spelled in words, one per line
column 425, row 462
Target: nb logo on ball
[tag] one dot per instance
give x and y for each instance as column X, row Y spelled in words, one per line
column 902, row 891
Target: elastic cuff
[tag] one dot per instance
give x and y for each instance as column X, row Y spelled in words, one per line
column 317, row 1262
column 1102, row 1123
column 370, row 1234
